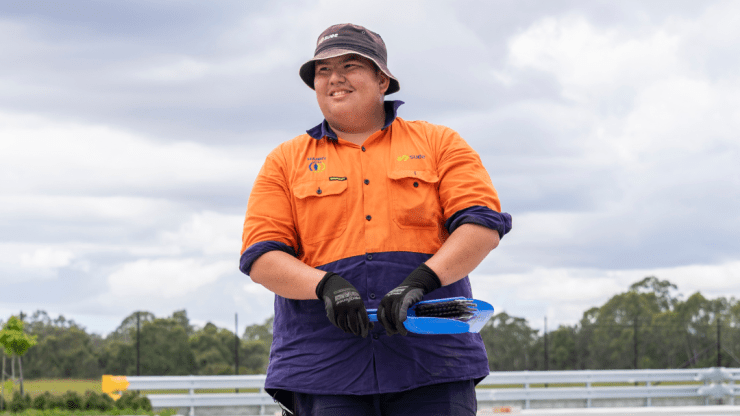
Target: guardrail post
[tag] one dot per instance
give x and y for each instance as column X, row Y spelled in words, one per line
column 526, row 400
column 262, row 406
column 649, row 397
column 588, row 399
column 191, row 392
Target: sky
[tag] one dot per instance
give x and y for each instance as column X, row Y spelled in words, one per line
column 131, row 133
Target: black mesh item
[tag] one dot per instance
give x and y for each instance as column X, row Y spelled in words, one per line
column 458, row 309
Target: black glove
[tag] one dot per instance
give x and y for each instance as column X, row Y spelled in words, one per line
column 344, row 306
column 394, row 306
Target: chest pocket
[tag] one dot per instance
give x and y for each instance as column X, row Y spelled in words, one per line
column 321, row 210
column 415, row 198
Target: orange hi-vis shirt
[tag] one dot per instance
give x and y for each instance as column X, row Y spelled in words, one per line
column 332, row 199
column 371, row 213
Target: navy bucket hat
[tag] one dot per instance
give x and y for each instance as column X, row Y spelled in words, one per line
column 344, row 39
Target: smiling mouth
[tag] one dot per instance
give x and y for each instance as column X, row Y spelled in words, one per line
column 339, row 93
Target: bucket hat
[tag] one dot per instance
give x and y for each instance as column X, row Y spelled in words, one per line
column 344, row 39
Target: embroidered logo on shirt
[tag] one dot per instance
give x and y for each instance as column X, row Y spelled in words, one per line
column 337, row 178
column 316, row 164
column 404, row 158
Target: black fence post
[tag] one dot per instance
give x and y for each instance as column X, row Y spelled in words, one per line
column 634, row 337
column 719, row 343
column 138, row 345
column 547, row 358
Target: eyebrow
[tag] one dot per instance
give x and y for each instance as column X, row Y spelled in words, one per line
column 345, row 58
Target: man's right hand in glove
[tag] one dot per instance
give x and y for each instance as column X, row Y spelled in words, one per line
column 344, row 306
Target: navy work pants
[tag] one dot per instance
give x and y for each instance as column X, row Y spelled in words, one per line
column 446, row 399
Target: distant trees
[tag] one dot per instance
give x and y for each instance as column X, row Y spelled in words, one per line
column 168, row 346
column 64, row 349
column 648, row 326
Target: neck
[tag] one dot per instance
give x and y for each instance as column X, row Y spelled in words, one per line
column 357, row 131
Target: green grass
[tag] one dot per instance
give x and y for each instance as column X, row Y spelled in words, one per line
column 55, row 387
column 114, row 412
column 61, row 386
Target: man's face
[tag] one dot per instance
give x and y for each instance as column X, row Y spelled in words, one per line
column 348, row 87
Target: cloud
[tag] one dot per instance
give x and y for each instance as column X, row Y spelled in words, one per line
column 167, row 278
column 47, row 258
column 209, row 233
column 590, row 62
column 62, row 157
column 131, row 136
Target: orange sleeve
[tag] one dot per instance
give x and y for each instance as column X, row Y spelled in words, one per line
column 464, row 181
column 269, row 209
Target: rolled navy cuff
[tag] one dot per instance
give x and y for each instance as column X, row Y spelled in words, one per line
column 254, row 251
column 483, row 216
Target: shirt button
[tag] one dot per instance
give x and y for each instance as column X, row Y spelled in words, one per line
column 318, row 191
column 367, row 181
column 368, row 218
column 363, row 148
column 369, row 257
column 416, row 184
column 372, row 296
column 376, row 336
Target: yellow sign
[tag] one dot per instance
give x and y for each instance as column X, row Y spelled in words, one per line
column 113, row 384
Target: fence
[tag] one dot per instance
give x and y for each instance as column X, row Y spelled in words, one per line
column 592, row 386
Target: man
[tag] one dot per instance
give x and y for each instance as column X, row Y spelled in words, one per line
column 368, row 210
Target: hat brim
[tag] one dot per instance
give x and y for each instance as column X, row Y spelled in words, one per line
column 307, row 71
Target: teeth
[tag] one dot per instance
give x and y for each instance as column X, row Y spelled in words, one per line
column 334, row 94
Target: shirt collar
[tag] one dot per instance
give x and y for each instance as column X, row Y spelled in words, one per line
column 323, row 129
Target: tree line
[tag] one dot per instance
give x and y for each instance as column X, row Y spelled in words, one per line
column 647, row 326
column 166, row 346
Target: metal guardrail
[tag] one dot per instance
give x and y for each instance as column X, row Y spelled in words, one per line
column 717, row 383
column 714, row 385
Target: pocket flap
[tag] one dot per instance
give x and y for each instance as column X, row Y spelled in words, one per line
column 319, row 188
column 422, row 175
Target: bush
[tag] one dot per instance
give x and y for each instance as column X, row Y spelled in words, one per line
column 55, row 402
column 19, row 403
column 132, row 400
column 42, row 401
column 95, row 401
column 72, row 400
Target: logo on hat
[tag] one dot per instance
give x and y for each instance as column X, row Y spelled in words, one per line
column 327, row 37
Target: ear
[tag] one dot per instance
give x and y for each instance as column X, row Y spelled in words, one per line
column 383, row 81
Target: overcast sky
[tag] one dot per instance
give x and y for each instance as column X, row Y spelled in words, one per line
column 131, row 133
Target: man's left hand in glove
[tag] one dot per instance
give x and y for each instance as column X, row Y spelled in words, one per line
column 394, row 306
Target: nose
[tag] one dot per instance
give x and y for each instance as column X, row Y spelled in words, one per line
column 336, row 77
